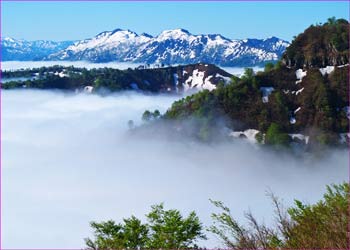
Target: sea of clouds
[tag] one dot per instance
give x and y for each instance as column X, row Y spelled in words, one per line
column 68, row 159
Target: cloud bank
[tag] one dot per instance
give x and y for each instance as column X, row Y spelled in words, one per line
column 68, row 159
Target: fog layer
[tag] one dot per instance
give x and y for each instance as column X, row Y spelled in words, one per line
column 68, row 160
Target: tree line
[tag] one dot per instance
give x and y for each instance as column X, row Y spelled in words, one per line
column 307, row 226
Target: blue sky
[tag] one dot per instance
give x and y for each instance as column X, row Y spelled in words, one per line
column 79, row 20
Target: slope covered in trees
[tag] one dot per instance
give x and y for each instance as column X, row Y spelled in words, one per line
column 163, row 79
column 320, row 45
column 302, row 94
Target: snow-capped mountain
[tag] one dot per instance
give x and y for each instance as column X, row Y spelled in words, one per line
column 170, row 47
column 22, row 50
column 173, row 47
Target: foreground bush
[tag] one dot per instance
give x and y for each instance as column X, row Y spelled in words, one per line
column 322, row 225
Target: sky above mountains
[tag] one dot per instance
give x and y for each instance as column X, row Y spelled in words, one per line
column 79, row 20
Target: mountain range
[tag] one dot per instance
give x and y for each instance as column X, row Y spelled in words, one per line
column 303, row 98
column 170, row 47
column 22, row 50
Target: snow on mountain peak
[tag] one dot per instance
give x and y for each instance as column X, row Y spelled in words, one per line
column 18, row 50
column 8, row 39
column 146, row 35
column 174, row 34
column 177, row 46
column 108, row 40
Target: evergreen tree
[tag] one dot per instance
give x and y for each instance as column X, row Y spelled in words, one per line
column 146, row 116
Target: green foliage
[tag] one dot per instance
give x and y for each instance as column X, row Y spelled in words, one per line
column 148, row 116
column 324, row 138
column 259, row 137
column 156, row 113
column 166, row 229
column 98, row 83
column 132, row 234
column 248, row 74
column 322, row 100
column 278, row 65
column 135, row 233
column 331, row 21
column 234, row 80
column 170, row 230
column 236, row 236
column 239, row 103
column 320, row 45
column 276, row 136
column 269, row 66
column 108, row 78
column 202, row 110
column 323, row 225
column 279, row 99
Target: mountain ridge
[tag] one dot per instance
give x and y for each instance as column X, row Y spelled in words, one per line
column 176, row 46
column 24, row 50
column 297, row 102
column 172, row 80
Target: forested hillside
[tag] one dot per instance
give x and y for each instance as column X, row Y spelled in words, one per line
column 305, row 94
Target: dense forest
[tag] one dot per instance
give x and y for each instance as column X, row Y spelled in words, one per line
column 300, row 94
column 145, row 79
column 70, row 78
column 320, row 45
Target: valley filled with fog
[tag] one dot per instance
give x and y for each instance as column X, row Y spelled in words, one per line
column 68, row 159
